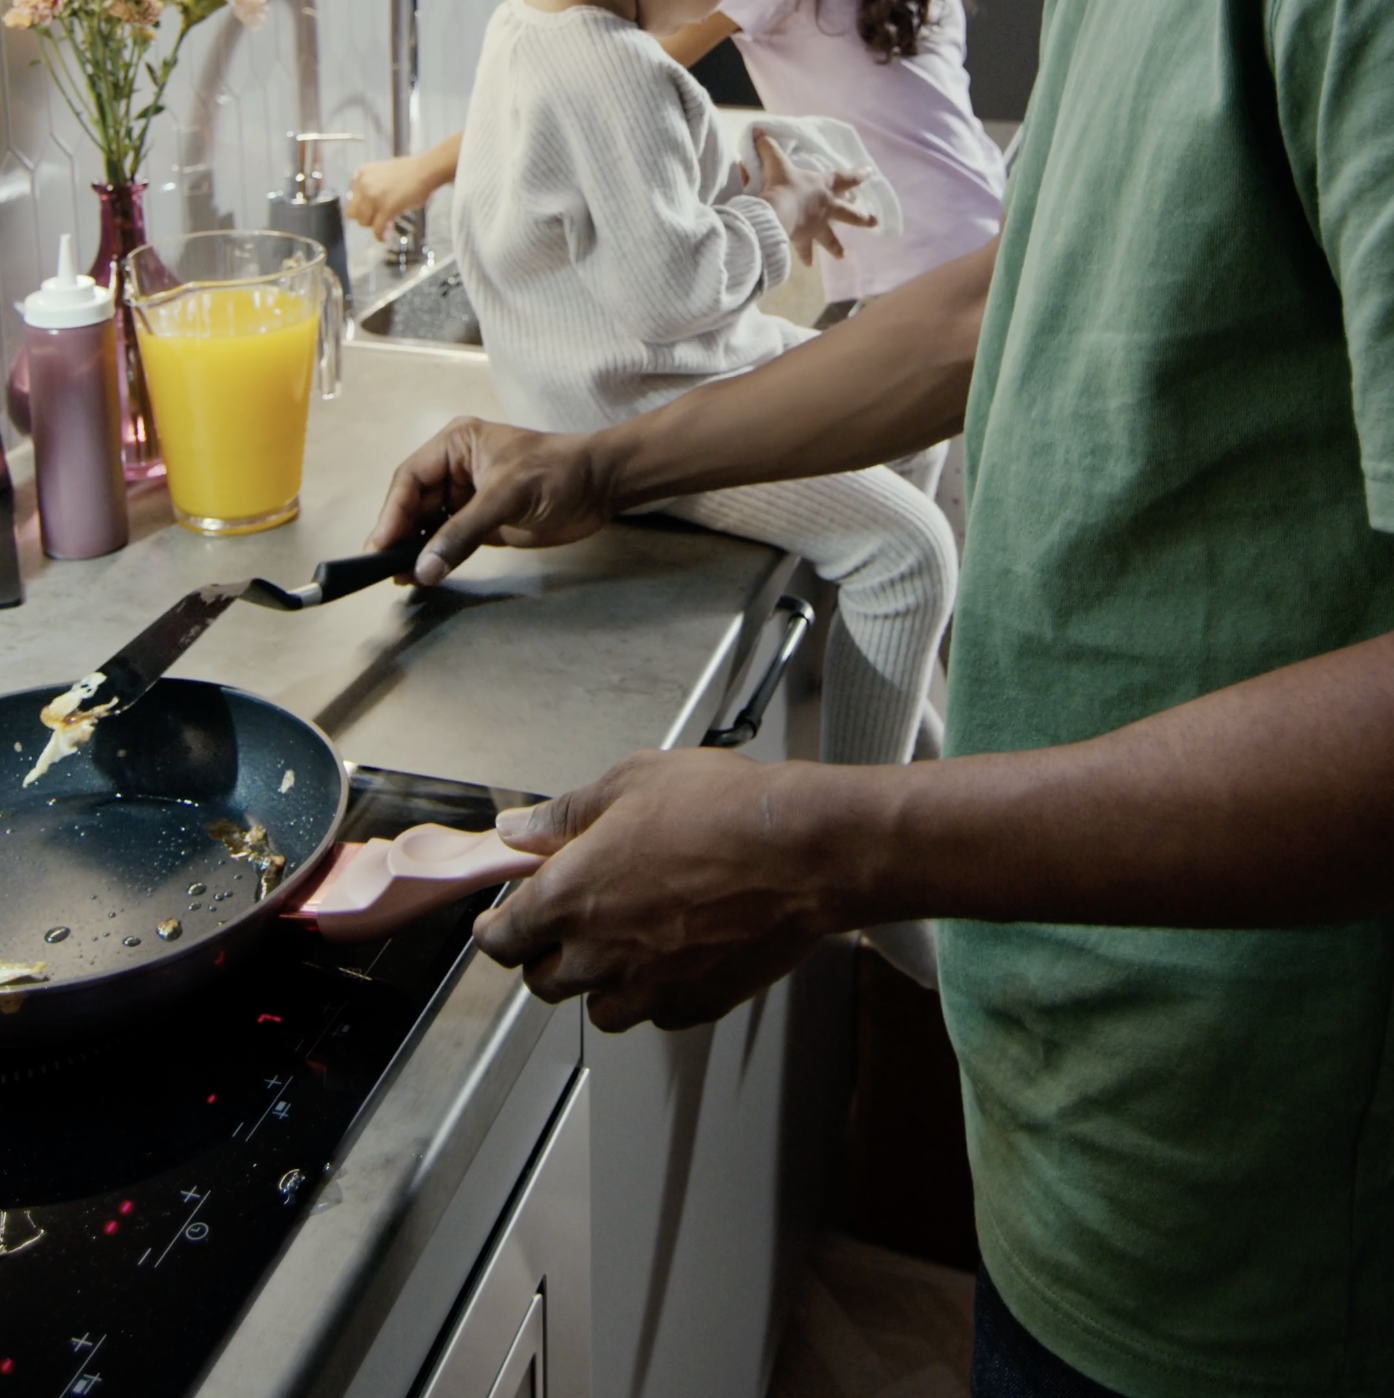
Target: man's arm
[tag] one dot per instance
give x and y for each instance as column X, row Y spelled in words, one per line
column 881, row 385
column 682, row 883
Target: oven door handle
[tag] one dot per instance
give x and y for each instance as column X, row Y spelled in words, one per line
column 747, row 723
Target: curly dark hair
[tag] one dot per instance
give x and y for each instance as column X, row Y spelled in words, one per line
column 891, row 28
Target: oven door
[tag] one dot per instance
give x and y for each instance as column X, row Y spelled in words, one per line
column 524, row 1329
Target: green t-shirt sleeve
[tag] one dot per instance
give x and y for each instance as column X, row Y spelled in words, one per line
column 1333, row 65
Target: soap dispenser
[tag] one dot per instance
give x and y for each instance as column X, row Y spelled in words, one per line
column 310, row 210
column 70, row 337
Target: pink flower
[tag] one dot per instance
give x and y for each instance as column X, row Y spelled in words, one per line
column 140, row 14
column 251, row 12
column 24, row 14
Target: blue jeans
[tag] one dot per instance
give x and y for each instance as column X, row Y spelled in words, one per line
column 1010, row 1363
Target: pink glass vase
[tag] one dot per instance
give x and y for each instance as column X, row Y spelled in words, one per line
column 122, row 230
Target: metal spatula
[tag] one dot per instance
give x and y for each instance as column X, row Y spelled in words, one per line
column 137, row 665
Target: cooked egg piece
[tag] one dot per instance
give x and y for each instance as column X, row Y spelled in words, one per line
column 72, row 725
column 15, row 972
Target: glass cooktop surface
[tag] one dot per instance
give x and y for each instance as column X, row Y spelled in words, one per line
column 149, row 1178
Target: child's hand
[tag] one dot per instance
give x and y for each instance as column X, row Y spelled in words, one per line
column 386, row 188
column 808, row 202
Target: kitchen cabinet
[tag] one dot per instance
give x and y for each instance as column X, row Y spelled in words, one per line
column 524, row 1328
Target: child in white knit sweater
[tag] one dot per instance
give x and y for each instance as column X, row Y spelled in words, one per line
column 614, row 262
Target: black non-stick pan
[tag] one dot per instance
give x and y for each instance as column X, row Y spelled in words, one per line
column 118, row 868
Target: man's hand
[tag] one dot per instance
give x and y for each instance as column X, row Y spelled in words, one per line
column 808, row 202
column 879, row 386
column 682, row 883
column 678, row 885
column 499, row 485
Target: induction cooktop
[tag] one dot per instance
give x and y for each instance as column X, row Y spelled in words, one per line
column 149, row 1178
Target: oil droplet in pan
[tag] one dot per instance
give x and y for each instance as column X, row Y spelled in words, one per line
column 170, row 930
column 130, row 941
column 56, row 934
column 196, row 888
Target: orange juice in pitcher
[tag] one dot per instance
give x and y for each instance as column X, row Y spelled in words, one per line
column 228, row 341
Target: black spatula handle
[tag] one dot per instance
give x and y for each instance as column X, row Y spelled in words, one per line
column 339, row 576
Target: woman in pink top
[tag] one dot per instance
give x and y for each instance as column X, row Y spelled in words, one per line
column 892, row 68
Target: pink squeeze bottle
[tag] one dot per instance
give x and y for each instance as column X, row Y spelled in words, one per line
column 70, row 335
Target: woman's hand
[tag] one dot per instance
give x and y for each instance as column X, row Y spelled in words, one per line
column 679, row 884
column 808, row 202
column 499, row 485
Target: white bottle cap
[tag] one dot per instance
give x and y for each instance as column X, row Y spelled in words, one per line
column 68, row 300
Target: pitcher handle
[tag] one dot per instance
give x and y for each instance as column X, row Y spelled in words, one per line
column 331, row 335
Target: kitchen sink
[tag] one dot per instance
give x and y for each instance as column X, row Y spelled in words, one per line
column 432, row 310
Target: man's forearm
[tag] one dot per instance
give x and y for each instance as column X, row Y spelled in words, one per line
column 1270, row 803
column 887, row 382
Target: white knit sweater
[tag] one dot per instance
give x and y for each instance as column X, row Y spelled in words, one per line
column 600, row 229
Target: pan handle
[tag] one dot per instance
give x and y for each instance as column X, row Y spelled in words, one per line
column 748, row 721
column 373, row 889
column 340, row 576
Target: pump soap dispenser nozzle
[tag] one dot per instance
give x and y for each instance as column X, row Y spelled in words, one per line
column 306, row 208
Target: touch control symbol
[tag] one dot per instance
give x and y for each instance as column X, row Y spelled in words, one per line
column 85, row 1380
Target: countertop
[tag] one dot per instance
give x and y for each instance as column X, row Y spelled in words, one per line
column 528, row 671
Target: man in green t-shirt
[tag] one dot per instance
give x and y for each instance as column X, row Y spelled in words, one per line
column 1170, row 796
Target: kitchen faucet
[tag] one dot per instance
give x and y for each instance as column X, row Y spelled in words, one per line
column 201, row 211
column 406, row 242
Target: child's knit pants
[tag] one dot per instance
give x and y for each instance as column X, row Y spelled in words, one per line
column 891, row 552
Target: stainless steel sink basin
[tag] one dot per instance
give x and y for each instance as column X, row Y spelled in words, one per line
column 433, row 310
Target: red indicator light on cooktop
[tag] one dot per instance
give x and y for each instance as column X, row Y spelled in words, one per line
column 7, row 1366
column 125, row 1206
column 268, row 1019
column 212, row 1097
column 111, row 1226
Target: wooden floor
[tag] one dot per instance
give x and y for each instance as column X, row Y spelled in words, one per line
column 873, row 1324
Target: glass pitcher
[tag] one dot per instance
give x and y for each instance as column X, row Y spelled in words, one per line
column 232, row 329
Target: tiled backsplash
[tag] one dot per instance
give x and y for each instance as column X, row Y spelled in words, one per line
column 220, row 147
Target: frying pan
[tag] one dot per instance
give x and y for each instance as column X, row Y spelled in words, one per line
column 124, row 869
column 115, row 841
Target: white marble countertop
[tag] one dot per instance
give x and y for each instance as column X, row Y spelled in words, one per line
column 531, row 670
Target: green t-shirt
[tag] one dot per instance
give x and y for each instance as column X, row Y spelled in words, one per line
column 1180, row 433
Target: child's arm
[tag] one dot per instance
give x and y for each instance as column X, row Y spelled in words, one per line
column 664, row 263
column 694, row 41
column 385, row 188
